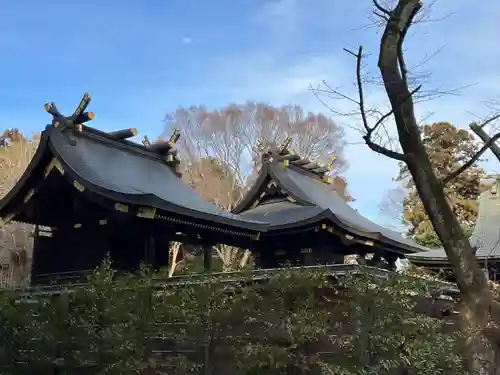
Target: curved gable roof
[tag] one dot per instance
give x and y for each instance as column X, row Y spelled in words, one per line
column 316, row 201
column 122, row 172
column 285, row 214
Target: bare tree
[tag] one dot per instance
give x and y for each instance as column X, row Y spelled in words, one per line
column 391, row 206
column 481, row 309
column 221, row 149
column 16, row 240
column 173, row 251
column 218, row 183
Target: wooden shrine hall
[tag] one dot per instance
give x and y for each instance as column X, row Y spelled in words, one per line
column 90, row 193
column 312, row 222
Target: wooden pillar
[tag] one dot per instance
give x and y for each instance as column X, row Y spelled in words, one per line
column 207, row 257
column 162, row 251
column 308, row 256
column 150, row 251
column 268, row 259
column 391, row 260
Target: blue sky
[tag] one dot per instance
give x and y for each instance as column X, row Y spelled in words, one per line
column 141, row 59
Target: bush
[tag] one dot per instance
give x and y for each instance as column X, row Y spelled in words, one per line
column 296, row 322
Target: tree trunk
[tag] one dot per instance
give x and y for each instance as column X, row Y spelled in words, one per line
column 476, row 295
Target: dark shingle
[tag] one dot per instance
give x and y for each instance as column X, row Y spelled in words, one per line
column 486, row 234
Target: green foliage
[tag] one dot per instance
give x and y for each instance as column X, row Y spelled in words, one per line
column 300, row 322
column 448, row 148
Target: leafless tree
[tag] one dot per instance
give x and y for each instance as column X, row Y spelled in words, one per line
column 481, row 309
column 173, row 251
column 15, row 238
column 391, row 206
column 221, row 149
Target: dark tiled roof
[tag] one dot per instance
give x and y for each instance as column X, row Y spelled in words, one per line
column 310, row 186
column 127, row 175
column 108, row 166
column 283, row 213
column 319, row 194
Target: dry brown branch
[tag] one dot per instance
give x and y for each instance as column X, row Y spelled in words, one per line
column 476, row 295
column 15, row 238
column 391, row 206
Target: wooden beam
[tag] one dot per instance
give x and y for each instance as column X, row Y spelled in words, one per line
column 150, row 251
column 310, row 166
column 161, row 147
column 285, row 144
column 321, row 170
column 300, row 162
column 291, row 157
column 124, row 133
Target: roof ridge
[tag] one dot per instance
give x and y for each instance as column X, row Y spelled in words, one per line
column 165, row 149
column 290, row 157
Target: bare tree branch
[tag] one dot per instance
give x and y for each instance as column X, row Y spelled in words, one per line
column 481, row 133
column 470, row 278
column 381, row 8
column 370, row 133
column 361, row 103
column 478, row 129
column 472, row 160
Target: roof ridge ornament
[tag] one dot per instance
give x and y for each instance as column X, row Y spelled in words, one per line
column 124, row 133
column 285, row 145
column 146, row 142
column 165, row 148
column 330, row 162
column 73, row 122
column 284, row 153
column 175, row 136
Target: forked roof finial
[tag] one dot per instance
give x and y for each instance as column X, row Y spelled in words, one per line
column 175, row 136
column 78, row 117
column 330, row 162
column 75, row 121
column 146, row 142
column 286, row 143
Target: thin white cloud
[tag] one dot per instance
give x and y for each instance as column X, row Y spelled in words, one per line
column 187, row 40
column 281, row 69
column 265, row 75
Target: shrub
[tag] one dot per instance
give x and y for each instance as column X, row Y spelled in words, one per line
column 299, row 322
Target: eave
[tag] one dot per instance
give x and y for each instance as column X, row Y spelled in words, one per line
column 275, row 172
column 31, row 180
column 145, row 205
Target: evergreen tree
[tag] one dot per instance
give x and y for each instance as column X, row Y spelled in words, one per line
column 448, row 148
